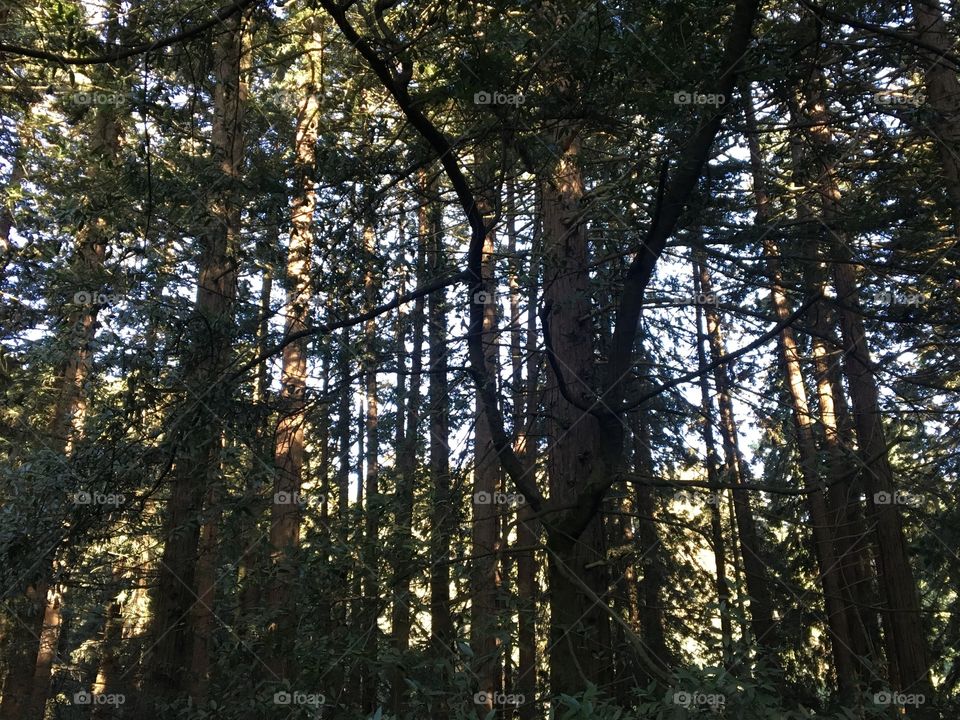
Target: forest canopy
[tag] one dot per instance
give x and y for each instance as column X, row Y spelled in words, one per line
column 391, row 360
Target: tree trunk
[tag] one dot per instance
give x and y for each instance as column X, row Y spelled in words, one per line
column 943, row 90
column 485, row 544
column 821, row 528
column 36, row 635
column 371, row 553
column 902, row 607
column 408, row 447
column 526, row 406
column 442, row 515
column 754, row 565
column 209, row 347
column 906, row 636
column 289, row 439
column 46, row 653
column 853, row 541
column 579, row 633
column 109, row 668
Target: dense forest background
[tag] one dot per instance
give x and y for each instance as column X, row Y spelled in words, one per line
column 467, row 360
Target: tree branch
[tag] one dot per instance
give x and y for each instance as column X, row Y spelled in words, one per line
column 120, row 52
column 486, row 387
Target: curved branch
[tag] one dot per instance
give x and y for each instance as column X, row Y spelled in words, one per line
column 397, row 86
column 120, row 52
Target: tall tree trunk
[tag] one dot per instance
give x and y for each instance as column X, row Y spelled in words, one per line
column 853, row 541
column 526, row 405
column 208, row 350
column 36, row 634
column 906, row 636
column 46, row 652
column 943, row 91
column 902, row 607
column 807, row 450
column 485, row 545
column 408, row 448
column 289, row 439
column 371, row 554
column 442, row 515
column 712, row 462
column 754, row 565
column 579, row 633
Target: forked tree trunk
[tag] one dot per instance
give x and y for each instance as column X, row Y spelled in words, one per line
column 853, row 541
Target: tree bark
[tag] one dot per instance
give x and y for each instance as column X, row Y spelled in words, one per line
column 579, row 632
column 712, row 462
column 371, row 590
column 442, row 515
column 485, row 534
column 902, row 612
column 807, row 450
column 943, row 90
column 289, row 438
column 209, row 347
column 754, row 564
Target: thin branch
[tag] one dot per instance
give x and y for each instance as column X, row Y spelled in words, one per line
column 120, row 52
